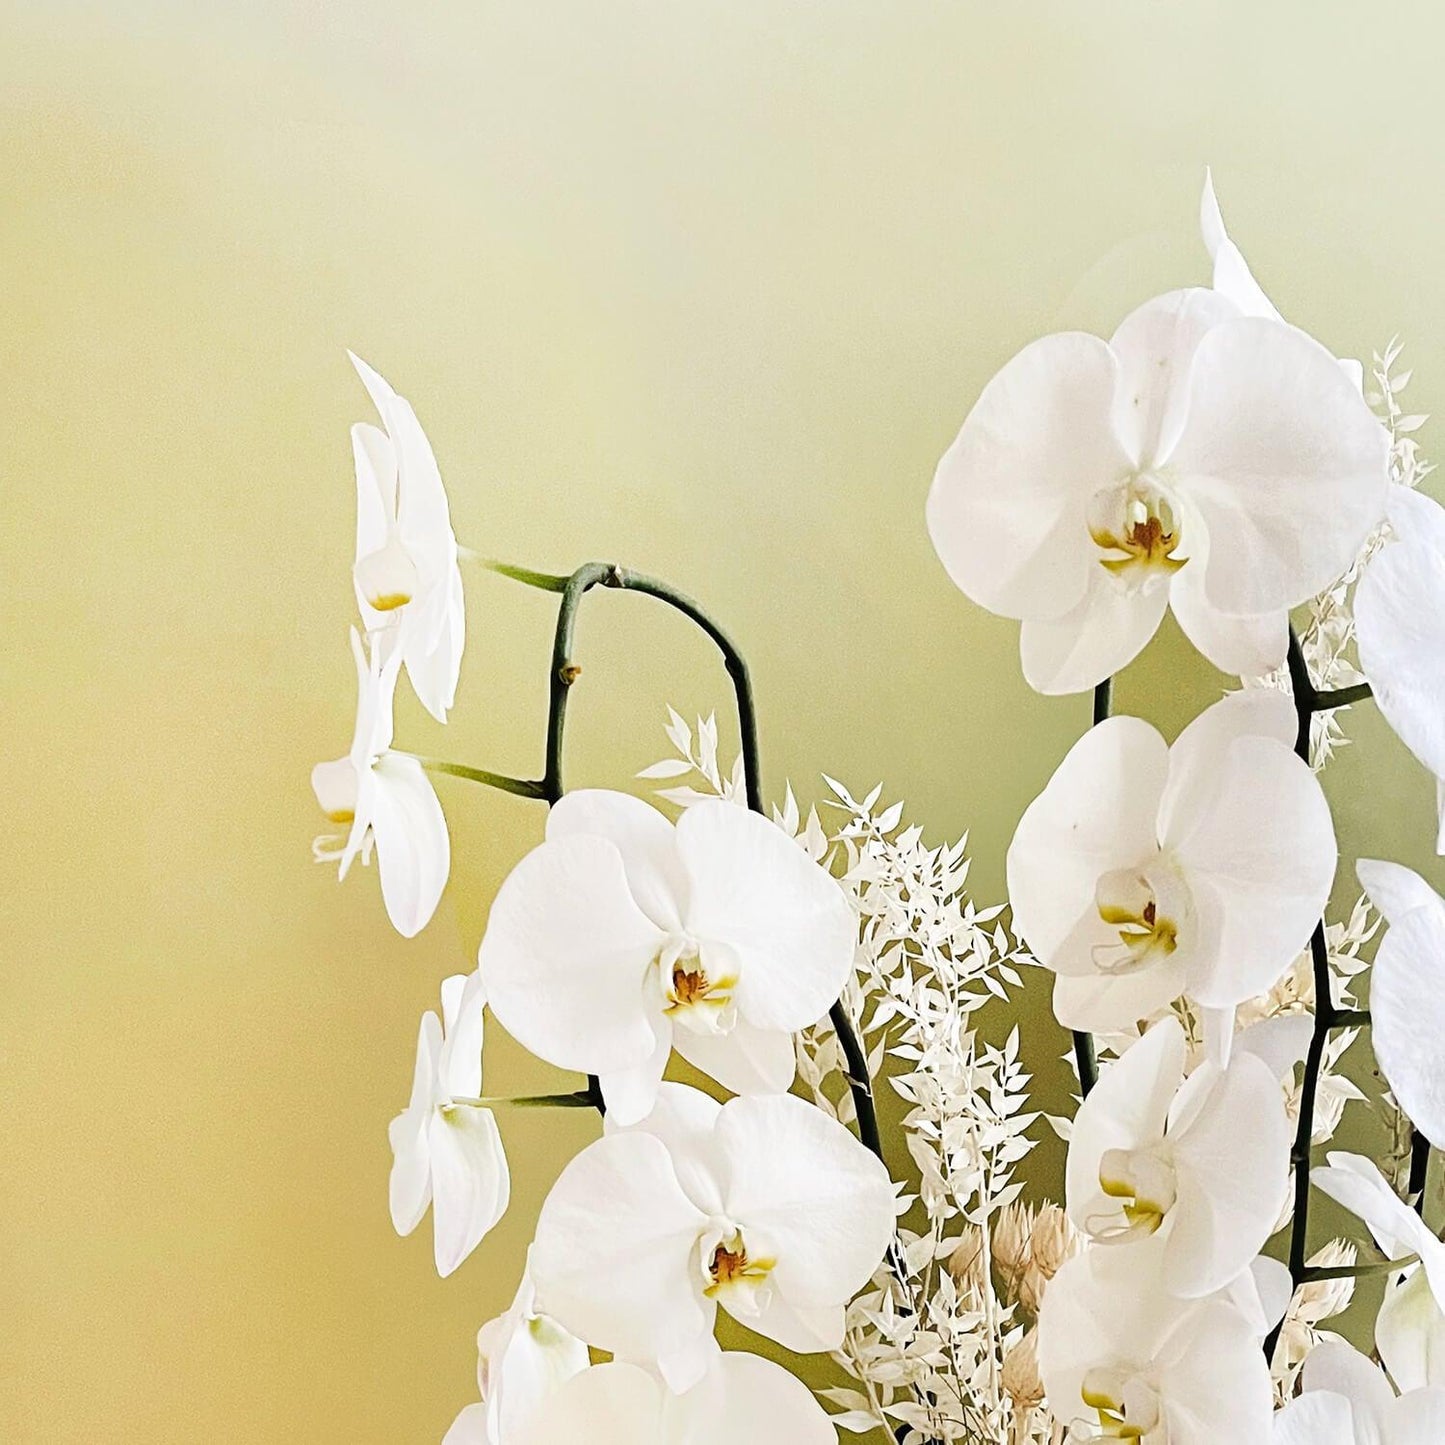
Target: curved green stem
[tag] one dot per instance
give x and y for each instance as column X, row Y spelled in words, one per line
column 520, row 787
column 578, row 1099
column 564, row 674
column 545, row 581
column 1313, row 1272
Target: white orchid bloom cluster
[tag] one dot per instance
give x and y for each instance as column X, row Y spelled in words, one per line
column 1210, row 459
column 409, row 590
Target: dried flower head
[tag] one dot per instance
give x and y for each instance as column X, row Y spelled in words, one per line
column 1021, row 1372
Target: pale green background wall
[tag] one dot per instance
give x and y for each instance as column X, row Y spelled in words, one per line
column 704, row 287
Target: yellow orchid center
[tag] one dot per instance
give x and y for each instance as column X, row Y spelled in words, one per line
column 1144, row 1183
column 387, row 578
column 693, row 995
column 732, row 1273
column 1126, row 1404
column 1144, row 933
column 1137, row 533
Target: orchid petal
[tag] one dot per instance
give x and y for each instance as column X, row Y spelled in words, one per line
column 1231, row 1166
column 1257, row 842
column 1097, row 814
column 808, row 1194
column 1101, row 635
column 471, row 1183
column 1101, row 1003
column 644, row 838
column 629, row 1094
column 1395, row 890
column 565, row 958
column 413, row 850
column 615, row 1255
column 1356, row 1183
column 1155, row 345
column 746, row 1060
column 781, row 916
column 1342, row 1370
column 1127, row 1109
column 1008, row 509
column 410, row 1185
column 1417, row 1418
column 1407, row 1014
column 613, row 1404
column 746, row 1398
column 1320, row 1418
column 1398, row 604
column 470, row 1428
column 1243, row 646
column 1410, row 1333
column 1284, row 461
column 459, row 1070
column 1232, row 276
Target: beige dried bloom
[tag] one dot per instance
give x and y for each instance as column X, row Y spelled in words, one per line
column 1012, row 1231
column 965, row 1264
column 1021, row 1372
column 1052, row 1240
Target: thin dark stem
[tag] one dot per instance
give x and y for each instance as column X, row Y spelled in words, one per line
column 1307, row 702
column 1304, row 706
column 1349, row 1018
column 1085, row 1055
column 1342, row 696
column 1419, row 1168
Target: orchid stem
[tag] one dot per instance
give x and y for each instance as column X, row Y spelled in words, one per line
column 1314, row 1272
column 578, row 1099
column 564, row 674
column 1085, row 1055
column 543, row 581
column 520, row 787
column 1308, row 701
column 1342, row 697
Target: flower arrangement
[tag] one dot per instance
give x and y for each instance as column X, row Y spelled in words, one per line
column 1209, row 459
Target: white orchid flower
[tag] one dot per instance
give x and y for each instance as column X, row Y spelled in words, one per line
column 1407, row 992
column 386, row 802
column 1205, row 460
column 446, row 1151
column 622, row 936
column 1202, row 1162
column 1410, row 1332
column 1122, row 1358
column 1410, row 1327
column 522, row 1359
column 1143, row 871
column 1398, row 604
column 1234, row 280
column 764, row 1205
column 408, row 583
column 1346, row 1400
column 742, row 1397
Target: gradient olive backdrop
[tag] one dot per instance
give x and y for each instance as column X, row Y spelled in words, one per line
column 702, row 287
